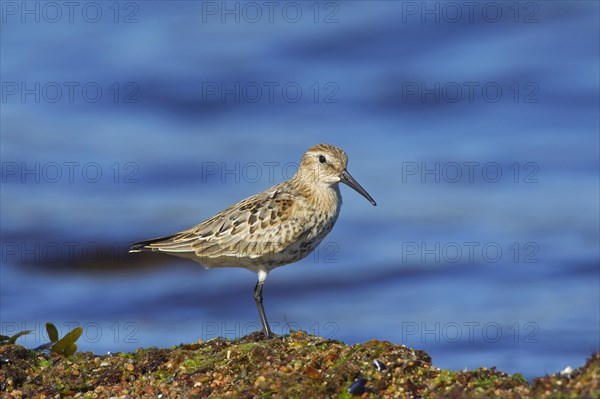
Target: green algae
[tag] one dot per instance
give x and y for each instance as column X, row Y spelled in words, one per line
column 292, row 366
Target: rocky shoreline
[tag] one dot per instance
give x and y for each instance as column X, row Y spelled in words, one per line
column 297, row 365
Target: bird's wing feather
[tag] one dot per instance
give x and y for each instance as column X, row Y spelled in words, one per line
column 264, row 223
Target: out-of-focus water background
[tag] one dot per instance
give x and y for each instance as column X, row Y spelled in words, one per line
column 475, row 126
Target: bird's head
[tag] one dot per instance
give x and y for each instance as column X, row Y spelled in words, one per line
column 326, row 164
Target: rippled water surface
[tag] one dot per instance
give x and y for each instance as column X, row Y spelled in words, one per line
column 477, row 135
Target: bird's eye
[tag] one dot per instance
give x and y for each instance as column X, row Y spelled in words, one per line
column 322, row 159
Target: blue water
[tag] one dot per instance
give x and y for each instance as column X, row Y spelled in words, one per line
column 477, row 134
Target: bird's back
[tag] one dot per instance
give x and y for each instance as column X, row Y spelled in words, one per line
column 275, row 227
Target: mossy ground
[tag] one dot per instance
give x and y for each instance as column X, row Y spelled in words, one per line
column 292, row 366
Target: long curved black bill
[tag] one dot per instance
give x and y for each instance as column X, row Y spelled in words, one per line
column 349, row 180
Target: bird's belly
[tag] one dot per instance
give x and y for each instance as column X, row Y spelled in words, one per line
column 303, row 247
column 263, row 256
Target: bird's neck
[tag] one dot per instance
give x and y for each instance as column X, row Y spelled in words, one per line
column 320, row 195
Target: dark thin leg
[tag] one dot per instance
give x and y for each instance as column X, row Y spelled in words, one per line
column 261, row 311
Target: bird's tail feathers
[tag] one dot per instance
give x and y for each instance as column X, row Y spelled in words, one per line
column 143, row 245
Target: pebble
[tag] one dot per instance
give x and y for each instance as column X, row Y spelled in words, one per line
column 357, row 387
column 379, row 365
column 567, row 371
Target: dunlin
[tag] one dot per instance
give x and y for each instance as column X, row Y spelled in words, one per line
column 273, row 228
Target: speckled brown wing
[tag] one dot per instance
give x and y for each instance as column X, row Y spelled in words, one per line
column 262, row 230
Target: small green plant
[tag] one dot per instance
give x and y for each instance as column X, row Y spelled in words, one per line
column 66, row 346
column 5, row 339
